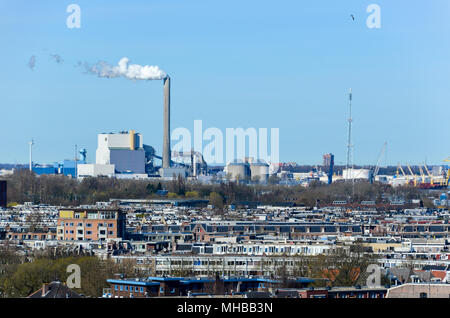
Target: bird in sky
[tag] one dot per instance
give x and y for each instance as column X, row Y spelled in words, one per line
column 353, row 17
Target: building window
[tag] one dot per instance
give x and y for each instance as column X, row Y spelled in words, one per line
column 110, row 225
column 423, row 295
column 126, row 287
column 116, row 287
column 161, row 290
column 142, row 289
column 121, row 287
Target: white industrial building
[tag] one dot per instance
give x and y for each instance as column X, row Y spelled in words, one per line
column 125, row 150
column 95, row 170
column 117, row 155
column 356, row 174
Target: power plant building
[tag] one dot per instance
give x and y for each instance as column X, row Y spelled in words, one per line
column 124, row 150
column 117, row 154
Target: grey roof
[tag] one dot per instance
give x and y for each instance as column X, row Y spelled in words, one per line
column 55, row 290
column 402, row 274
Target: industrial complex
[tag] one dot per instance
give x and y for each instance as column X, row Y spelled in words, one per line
column 124, row 155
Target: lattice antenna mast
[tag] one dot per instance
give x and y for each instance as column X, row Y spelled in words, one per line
column 349, row 144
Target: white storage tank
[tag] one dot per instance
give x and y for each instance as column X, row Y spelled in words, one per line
column 238, row 170
column 259, row 171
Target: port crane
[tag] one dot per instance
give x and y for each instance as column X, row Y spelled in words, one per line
column 412, row 174
column 425, row 179
column 429, row 175
column 401, row 169
column 447, row 178
column 422, row 175
column 377, row 166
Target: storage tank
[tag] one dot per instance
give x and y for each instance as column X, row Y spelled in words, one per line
column 259, row 171
column 238, row 171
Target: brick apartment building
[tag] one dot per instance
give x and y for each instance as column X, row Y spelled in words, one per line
column 90, row 224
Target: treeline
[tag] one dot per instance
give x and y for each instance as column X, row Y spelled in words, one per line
column 340, row 267
column 26, row 186
column 22, row 275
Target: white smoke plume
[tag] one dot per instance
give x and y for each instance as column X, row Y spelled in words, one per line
column 124, row 69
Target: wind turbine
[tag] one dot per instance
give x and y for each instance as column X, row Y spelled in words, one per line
column 31, row 143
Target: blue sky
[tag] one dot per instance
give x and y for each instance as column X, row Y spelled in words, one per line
column 261, row 64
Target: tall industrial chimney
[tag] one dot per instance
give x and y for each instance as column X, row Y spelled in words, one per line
column 166, row 124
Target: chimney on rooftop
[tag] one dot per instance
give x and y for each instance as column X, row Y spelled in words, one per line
column 45, row 289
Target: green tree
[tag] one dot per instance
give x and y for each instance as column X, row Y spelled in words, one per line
column 216, row 200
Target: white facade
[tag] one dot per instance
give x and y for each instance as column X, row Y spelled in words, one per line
column 4, row 172
column 356, row 173
column 134, row 176
column 270, row 249
column 108, row 142
column 124, row 150
column 95, row 170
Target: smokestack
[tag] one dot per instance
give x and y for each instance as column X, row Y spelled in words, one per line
column 166, row 124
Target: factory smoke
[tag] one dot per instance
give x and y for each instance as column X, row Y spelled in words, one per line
column 139, row 72
column 124, row 69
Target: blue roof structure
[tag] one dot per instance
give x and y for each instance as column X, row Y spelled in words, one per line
column 132, row 282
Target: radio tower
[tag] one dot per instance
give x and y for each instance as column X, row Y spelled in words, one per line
column 349, row 144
